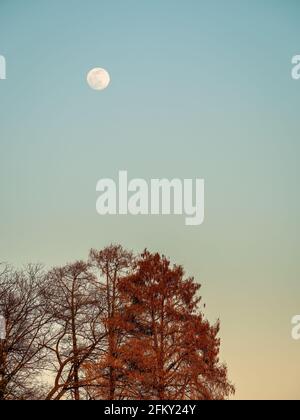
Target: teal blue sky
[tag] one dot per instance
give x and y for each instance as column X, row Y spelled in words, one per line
column 199, row 89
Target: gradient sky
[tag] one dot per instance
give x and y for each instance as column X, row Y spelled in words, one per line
column 199, row 89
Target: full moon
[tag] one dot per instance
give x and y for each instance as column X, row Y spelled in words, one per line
column 98, row 79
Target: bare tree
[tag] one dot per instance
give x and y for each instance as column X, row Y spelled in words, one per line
column 22, row 352
column 75, row 306
column 110, row 266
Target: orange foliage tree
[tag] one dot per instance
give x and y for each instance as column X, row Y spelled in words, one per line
column 168, row 351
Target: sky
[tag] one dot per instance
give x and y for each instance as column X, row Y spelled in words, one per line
column 199, row 89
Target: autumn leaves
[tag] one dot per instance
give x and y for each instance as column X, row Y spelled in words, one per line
column 160, row 345
column 122, row 327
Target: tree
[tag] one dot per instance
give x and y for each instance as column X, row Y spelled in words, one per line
column 116, row 327
column 110, row 265
column 22, row 353
column 75, row 306
column 171, row 351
